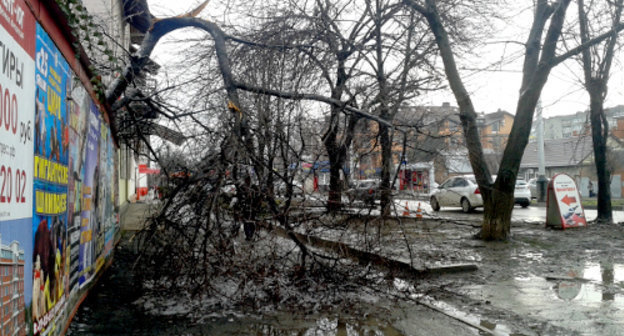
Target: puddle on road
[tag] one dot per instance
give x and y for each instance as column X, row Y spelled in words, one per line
column 290, row 326
column 478, row 322
column 588, row 300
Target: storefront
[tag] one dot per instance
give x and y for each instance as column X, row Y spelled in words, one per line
column 417, row 177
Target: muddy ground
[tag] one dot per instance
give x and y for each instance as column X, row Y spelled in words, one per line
column 541, row 282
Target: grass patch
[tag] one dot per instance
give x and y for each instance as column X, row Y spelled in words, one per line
column 592, row 202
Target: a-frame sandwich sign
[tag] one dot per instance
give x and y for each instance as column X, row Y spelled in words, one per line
column 563, row 203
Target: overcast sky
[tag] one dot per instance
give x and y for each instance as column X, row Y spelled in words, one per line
column 491, row 89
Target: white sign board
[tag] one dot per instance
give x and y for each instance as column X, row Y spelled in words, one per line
column 563, row 205
column 17, row 103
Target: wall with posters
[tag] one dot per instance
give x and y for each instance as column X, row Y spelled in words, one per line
column 58, row 177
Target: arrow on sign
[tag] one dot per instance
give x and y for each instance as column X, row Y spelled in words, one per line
column 568, row 200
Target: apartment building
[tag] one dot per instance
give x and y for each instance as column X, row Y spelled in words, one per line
column 435, row 137
column 577, row 124
column 12, row 315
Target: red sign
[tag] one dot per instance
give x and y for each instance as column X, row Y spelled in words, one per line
column 16, row 18
column 143, row 169
column 563, row 205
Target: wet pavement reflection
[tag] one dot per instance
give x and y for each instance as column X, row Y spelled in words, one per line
column 588, row 300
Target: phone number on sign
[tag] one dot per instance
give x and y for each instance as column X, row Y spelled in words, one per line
column 12, row 185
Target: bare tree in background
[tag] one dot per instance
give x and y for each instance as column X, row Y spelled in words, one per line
column 400, row 59
column 597, row 62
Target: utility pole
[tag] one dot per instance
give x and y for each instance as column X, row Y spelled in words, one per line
column 541, row 168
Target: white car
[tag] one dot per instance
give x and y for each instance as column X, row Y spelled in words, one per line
column 461, row 191
column 522, row 193
column 533, row 187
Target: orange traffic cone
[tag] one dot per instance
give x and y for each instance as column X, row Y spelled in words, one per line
column 419, row 212
column 406, row 212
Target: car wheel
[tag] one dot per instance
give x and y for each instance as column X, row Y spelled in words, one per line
column 434, row 204
column 465, row 204
column 525, row 204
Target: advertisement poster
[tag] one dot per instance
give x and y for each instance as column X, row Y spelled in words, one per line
column 79, row 110
column 107, row 195
column 51, row 177
column 89, row 221
column 17, row 99
column 563, row 206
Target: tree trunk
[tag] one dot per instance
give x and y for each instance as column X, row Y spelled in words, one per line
column 497, row 214
column 334, row 200
column 600, row 134
column 386, row 163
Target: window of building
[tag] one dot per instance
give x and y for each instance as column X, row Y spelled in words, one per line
column 496, row 126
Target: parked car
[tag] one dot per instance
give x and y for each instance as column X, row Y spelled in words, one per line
column 364, row 190
column 522, row 193
column 297, row 188
column 533, row 187
column 461, row 191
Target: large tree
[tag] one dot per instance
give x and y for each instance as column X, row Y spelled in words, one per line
column 597, row 62
column 540, row 57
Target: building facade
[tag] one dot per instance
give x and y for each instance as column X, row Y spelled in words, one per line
column 12, row 308
column 434, row 134
column 566, row 126
column 494, row 129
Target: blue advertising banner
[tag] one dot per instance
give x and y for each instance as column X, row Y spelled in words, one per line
column 89, row 221
column 51, row 177
column 107, row 187
column 79, row 111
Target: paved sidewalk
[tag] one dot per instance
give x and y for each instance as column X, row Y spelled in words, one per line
column 133, row 217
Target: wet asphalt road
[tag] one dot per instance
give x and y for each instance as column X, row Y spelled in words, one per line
column 529, row 214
